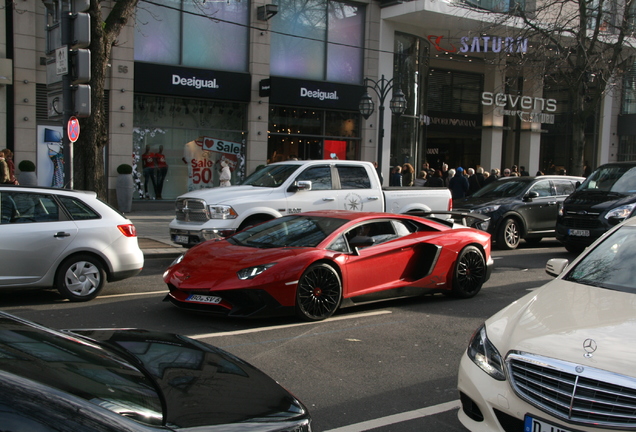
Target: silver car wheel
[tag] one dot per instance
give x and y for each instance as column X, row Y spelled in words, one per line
column 81, row 278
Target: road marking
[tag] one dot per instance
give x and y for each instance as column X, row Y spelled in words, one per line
column 398, row 418
column 260, row 329
column 133, row 294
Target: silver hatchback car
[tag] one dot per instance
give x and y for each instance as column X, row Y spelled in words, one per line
column 65, row 239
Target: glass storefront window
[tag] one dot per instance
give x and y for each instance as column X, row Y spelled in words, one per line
column 629, row 92
column 301, row 133
column 207, row 35
column 320, row 40
column 178, row 144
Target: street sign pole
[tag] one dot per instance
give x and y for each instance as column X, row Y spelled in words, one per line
column 67, row 96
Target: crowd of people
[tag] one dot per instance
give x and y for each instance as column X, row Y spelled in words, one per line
column 462, row 182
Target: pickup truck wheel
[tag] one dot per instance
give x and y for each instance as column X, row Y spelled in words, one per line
column 509, row 235
column 319, row 292
column 80, row 278
column 470, row 272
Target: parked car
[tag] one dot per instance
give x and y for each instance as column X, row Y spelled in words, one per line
column 133, row 380
column 607, row 197
column 520, row 207
column 65, row 239
column 562, row 357
column 314, row 263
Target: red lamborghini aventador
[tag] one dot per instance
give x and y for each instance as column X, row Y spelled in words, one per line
column 314, row 263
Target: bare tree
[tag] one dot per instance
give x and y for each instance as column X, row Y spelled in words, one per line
column 582, row 46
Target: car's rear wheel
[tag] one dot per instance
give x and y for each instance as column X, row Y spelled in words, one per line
column 80, row 278
column 470, row 272
column 509, row 234
column 319, row 292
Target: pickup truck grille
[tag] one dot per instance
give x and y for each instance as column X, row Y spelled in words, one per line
column 191, row 210
column 577, row 394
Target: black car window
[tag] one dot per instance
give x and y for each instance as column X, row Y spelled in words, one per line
column 379, row 231
column 320, row 177
column 543, row 188
column 77, row 209
column 564, row 187
column 501, row 189
column 353, row 177
column 20, row 207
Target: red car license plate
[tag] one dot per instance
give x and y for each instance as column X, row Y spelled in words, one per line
column 203, row 299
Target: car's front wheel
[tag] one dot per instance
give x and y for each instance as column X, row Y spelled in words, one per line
column 319, row 292
column 470, row 272
column 509, row 234
column 80, row 278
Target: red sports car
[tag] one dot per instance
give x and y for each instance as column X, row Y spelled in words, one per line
column 314, row 263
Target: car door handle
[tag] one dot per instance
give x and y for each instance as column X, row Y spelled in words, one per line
column 328, row 199
column 61, row 234
column 373, row 198
column 552, row 203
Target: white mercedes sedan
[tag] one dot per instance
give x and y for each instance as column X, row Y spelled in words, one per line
column 562, row 358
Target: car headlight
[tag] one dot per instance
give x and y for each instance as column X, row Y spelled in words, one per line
column 621, row 212
column 487, row 209
column 177, row 260
column 252, row 272
column 485, row 355
column 218, row 211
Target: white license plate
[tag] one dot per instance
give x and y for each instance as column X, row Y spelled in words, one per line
column 579, row 233
column 181, row 239
column 204, row 299
column 532, row 424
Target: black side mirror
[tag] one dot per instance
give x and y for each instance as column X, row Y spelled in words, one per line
column 531, row 195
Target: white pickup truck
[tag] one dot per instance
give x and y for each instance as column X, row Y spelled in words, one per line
column 292, row 187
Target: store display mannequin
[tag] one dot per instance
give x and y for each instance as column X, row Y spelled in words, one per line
column 162, row 171
column 149, row 166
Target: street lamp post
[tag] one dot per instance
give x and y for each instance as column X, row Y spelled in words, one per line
column 366, row 106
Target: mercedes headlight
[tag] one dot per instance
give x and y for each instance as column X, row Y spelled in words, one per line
column 621, row 212
column 487, row 209
column 484, row 354
column 222, row 212
column 252, row 272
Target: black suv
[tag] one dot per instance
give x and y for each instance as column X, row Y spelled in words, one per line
column 520, row 207
column 607, row 197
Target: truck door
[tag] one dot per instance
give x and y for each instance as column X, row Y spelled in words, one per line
column 358, row 192
column 322, row 196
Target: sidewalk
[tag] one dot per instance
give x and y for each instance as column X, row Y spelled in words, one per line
column 151, row 219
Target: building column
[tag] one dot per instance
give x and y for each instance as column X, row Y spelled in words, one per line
column 607, row 145
column 492, row 124
column 530, row 136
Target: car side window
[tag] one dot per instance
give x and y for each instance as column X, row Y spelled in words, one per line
column 320, row 177
column 77, row 209
column 353, row 177
column 20, row 207
column 564, row 187
column 543, row 188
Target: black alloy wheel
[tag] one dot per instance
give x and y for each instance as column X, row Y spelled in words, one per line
column 470, row 272
column 319, row 292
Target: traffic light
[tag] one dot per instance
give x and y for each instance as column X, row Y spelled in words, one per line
column 80, row 63
column 82, row 100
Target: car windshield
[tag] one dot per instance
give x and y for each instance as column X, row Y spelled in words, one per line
column 610, row 264
column 501, row 189
column 288, row 231
column 73, row 365
column 270, row 176
column 613, row 178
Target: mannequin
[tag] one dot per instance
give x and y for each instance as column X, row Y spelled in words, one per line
column 162, row 170
column 150, row 170
column 226, row 175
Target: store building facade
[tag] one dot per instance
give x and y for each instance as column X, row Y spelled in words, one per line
column 250, row 83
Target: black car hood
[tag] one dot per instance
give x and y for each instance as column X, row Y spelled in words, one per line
column 470, row 203
column 596, row 201
column 201, row 384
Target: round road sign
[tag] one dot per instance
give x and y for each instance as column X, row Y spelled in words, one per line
column 73, row 129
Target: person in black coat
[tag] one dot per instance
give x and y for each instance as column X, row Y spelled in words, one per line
column 476, row 181
column 458, row 184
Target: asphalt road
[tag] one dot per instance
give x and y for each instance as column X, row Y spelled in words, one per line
column 389, row 366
